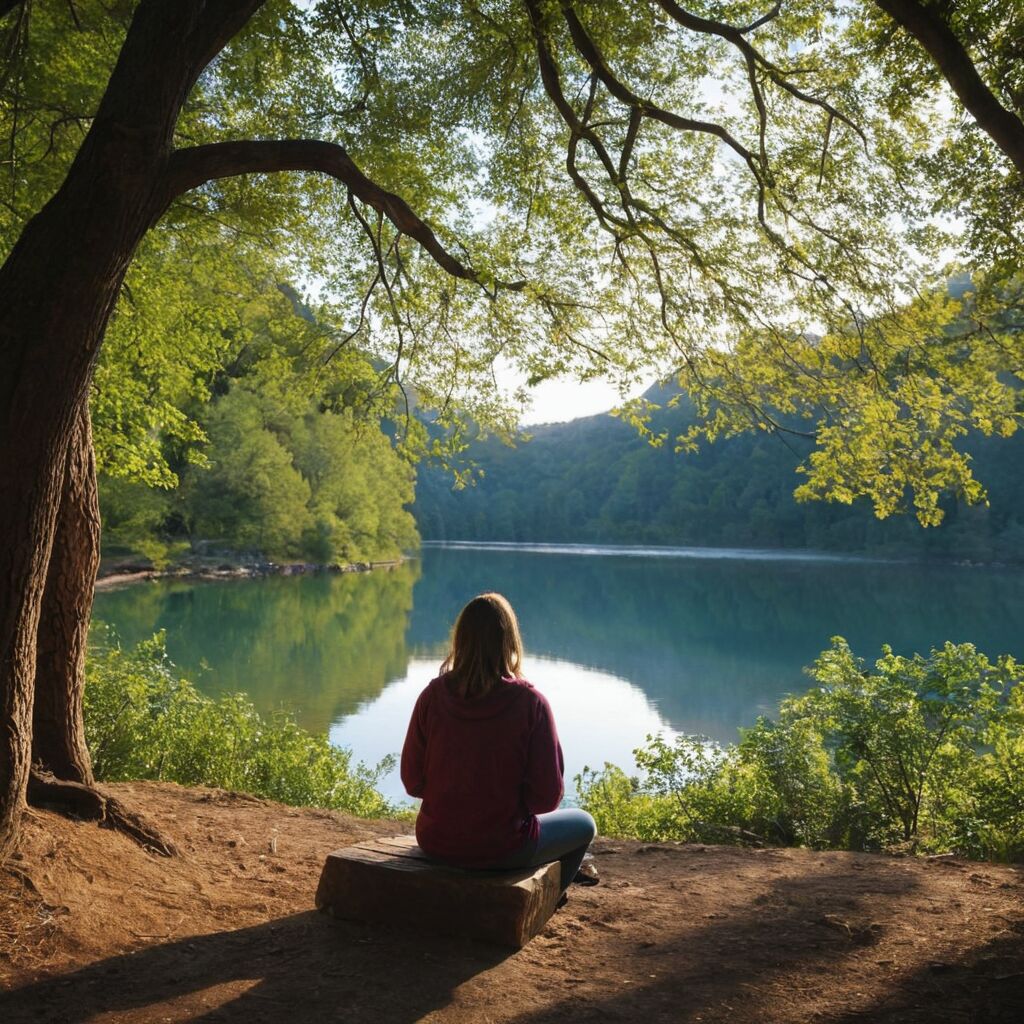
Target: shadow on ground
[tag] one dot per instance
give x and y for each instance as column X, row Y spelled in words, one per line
column 306, row 967
column 799, row 952
column 848, row 940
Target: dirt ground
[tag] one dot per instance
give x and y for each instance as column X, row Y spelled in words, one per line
column 92, row 928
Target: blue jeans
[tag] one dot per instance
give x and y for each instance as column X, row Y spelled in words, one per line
column 564, row 836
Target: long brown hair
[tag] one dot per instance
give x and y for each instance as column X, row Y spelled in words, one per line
column 486, row 646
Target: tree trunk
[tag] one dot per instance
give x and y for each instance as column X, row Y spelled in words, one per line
column 30, row 484
column 58, row 731
column 61, row 773
column 59, row 284
column 66, row 271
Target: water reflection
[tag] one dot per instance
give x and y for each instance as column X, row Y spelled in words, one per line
column 599, row 716
column 624, row 644
column 319, row 646
column 716, row 642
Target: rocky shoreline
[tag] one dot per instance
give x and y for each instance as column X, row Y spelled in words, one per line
column 122, row 574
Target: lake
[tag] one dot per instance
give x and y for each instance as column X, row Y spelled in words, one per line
column 623, row 641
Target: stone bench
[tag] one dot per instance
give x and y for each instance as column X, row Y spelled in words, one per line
column 391, row 881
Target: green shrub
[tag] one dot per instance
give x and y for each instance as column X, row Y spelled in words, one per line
column 795, row 796
column 692, row 791
column 709, row 788
column 910, row 737
column 143, row 722
column 987, row 819
column 923, row 754
column 621, row 809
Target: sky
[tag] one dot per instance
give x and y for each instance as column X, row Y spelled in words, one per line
column 558, row 400
column 563, row 398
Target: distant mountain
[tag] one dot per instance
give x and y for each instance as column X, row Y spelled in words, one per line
column 595, row 480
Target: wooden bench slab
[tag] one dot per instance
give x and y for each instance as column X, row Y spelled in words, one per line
column 391, row 880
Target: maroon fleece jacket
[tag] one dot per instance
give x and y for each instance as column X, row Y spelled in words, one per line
column 484, row 767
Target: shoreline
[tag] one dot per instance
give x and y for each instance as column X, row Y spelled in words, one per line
column 122, row 576
column 710, row 553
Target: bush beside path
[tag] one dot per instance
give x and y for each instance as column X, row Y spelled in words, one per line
column 93, row 928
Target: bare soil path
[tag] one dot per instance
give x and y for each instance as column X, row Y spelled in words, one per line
column 93, row 929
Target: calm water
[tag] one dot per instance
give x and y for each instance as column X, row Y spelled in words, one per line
column 624, row 642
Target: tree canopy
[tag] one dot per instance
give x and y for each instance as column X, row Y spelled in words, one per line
column 565, row 187
column 627, row 189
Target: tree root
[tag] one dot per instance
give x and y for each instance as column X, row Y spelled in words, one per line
column 23, row 876
column 46, row 790
column 138, row 827
column 87, row 802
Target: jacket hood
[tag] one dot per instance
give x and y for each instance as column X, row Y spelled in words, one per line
column 505, row 693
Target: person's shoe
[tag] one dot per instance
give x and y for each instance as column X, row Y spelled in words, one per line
column 587, row 874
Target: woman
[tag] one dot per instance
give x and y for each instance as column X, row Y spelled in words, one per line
column 483, row 754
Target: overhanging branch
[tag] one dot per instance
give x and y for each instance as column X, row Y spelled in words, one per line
column 755, row 60
column 934, row 34
column 190, row 168
column 589, row 51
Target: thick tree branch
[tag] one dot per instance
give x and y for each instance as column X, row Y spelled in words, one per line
column 590, row 52
column 753, row 57
column 190, row 168
column 927, row 26
column 167, row 47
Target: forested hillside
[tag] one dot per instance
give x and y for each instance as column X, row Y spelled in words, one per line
column 281, row 460
column 299, row 483
column 595, row 480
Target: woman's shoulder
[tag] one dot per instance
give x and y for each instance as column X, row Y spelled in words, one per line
column 529, row 691
column 522, row 684
column 436, row 686
column 432, row 690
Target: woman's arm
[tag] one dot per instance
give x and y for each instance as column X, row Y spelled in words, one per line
column 414, row 752
column 543, row 787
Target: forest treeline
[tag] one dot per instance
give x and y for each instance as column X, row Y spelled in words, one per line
column 286, row 477
column 280, row 460
column 595, row 480
column 281, row 480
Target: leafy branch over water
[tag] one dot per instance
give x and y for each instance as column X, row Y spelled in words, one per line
column 925, row 754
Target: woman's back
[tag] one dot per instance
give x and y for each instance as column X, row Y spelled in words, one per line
column 484, row 766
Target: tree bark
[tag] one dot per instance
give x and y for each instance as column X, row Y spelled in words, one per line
column 65, row 273
column 925, row 23
column 58, row 730
column 61, row 775
column 60, row 283
column 31, row 491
